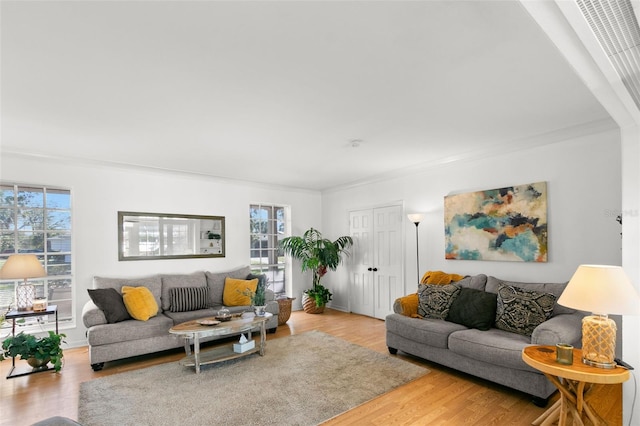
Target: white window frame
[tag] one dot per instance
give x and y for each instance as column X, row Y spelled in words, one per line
column 57, row 273
column 277, row 266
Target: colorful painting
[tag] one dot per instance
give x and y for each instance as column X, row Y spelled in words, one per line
column 508, row 224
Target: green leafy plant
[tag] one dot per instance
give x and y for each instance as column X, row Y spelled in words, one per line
column 318, row 255
column 29, row 346
column 258, row 297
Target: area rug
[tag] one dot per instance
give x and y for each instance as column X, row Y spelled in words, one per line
column 302, row 379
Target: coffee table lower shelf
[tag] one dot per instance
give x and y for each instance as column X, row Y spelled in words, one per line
column 218, row 354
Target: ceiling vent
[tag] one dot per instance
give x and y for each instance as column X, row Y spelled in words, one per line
column 616, row 27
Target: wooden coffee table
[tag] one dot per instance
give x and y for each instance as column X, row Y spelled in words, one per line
column 573, row 382
column 193, row 330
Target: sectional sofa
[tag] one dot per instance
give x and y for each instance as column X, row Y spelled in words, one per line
column 110, row 336
column 479, row 325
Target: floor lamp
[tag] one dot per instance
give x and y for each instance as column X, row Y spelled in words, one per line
column 416, row 218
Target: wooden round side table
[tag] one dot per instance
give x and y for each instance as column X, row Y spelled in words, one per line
column 573, row 382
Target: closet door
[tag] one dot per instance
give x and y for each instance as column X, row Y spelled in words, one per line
column 376, row 274
column 361, row 282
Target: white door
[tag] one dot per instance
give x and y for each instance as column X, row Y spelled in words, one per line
column 376, row 272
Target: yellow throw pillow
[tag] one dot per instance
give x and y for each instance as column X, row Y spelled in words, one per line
column 139, row 302
column 233, row 294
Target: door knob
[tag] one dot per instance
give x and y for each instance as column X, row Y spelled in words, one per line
column 369, row 269
column 375, row 269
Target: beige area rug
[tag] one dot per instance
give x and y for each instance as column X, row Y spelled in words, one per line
column 302, row 379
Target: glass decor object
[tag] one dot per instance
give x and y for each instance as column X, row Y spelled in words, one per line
column 40, row 304
column 564, row 353
column 23, row 266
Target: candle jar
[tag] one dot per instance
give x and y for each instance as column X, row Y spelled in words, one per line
column 40, row 304
column 564, row 353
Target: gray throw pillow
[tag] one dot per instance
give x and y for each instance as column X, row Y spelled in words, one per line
column 521, row 311
column 474, row 309
column 184, row 299
column 110, row 302
column 434, row 301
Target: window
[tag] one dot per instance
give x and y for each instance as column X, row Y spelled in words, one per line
column 37, row 219
column 268, row 225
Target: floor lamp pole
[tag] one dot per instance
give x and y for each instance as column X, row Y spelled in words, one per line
column 416, row 218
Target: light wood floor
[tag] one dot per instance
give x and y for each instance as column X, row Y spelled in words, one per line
column 442, row 397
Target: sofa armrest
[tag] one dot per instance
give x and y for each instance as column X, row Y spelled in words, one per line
column 564, row 328
column 92, row 315
column 272, row 307
column 269, row 295
column 407, row 305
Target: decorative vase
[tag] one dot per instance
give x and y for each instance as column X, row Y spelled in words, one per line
column 309, row 305
column 38, row 363
column 259, row 310
column 285, row 309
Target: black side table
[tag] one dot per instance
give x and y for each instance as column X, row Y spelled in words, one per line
column 14, row 315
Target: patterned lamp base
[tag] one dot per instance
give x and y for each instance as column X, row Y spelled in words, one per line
column 598, row 341
column 25, row 293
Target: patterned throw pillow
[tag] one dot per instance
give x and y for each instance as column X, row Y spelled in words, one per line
column 521, row 311
column 184, row 299
column 435, row 300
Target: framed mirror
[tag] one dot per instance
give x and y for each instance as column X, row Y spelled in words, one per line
column 147, row 236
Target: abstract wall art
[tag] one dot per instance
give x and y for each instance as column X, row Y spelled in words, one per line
column 505, row 224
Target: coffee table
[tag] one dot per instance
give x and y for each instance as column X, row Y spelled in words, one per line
column 193, row 330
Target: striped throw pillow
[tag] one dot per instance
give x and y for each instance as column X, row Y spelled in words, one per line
column 188, row 298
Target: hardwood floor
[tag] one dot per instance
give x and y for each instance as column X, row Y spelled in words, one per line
column 442, row 397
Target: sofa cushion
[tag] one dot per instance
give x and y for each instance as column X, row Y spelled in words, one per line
column 427, row 331
column 494, row 346
column 132, row 330
column 188, row 298
column 235, row 291
column 475, row 281
column 139, row 302
column 215, row 282
column 435, row 299
column 153, row 283
column 169, row 281
column 111, row 304
column 180, row 317
column 521, row 311
column 554, row 288
column 474, row 309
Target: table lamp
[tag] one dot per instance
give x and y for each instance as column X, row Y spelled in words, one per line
column 23, row 266
column 602, row 290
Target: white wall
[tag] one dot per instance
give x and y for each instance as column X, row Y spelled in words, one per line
column 584, row 196
column 99, row 192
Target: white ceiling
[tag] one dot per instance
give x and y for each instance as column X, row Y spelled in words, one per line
column 274, row 92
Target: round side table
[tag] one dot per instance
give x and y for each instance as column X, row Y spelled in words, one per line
column 573, row 382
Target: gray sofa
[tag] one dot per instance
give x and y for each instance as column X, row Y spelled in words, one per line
column 112, row 341
column 494, row 354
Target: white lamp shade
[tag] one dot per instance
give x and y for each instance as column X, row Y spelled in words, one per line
column 22, row 266
column 601, row 289
column 416, row 217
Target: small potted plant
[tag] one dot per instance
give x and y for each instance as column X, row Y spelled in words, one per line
column 258, row 298
column 38, row 352
column 319, row 255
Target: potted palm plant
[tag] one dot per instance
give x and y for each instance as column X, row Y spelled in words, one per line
column 38, row 352
column 318, row 255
